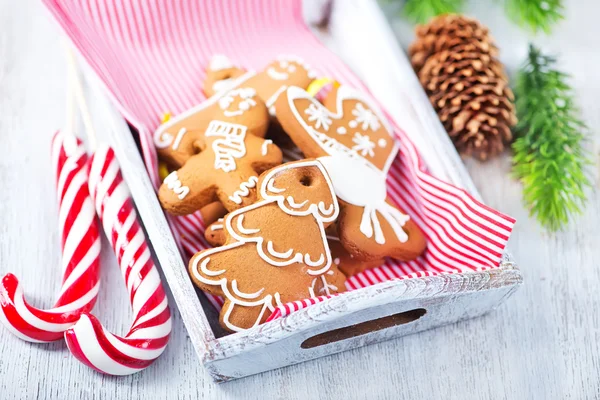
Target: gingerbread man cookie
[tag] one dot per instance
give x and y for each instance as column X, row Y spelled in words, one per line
column 221, row 162
column 282, row 73
column 352, row 140
column 276, row 249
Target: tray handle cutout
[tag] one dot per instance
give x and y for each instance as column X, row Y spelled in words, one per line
column 363, row 328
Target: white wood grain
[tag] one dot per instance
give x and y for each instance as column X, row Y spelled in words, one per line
column 541, row 344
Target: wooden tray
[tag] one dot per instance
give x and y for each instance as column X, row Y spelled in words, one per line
column 361, row 317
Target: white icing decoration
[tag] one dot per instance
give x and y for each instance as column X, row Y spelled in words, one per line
column 244, row 190
column 264, row 149
column 353, row 124
column 173, row 183
column 341, row 130
column 178, row 138
column 363, row 145
column 295, row 205
column 270, row 103
column 366, row 117
column 219, row 62
column 223, row 84
column 229, row 146
column 276, row 75
column 311, row 263
column 163, row 139
column 272, row 188
column 336, row 261
column 276, row 253
column 243, row 230
column 245, row 295
column 216, row 227
column 246, row 94
column 327, row 143
column 382, row 142
column 320, row 116
column 207, row 271
column 371, row 195
column 269, row 302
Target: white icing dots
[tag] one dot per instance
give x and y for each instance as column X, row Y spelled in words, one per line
column 382, row 142
column 353, row 124
column 341, row 130
column 247, row 101
column 336, row 261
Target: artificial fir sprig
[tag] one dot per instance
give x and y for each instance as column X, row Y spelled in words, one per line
column 538, row 15
column 421, row 11
column 549, row 156
column 535, row 14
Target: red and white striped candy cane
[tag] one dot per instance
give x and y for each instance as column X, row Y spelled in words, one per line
column 80, row 244
column 88, row 340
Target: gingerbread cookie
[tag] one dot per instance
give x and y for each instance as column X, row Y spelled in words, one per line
column 220, row 75
column 212, row 212
column 344, row 261
column 215, row 234
column 276, row 249
column 269, row 83
column 221, row 162
column 352, row 140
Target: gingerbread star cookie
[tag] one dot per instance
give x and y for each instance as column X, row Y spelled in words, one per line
column 219, row 160
column 269, row 83
column 276, row 249
column 352, row 140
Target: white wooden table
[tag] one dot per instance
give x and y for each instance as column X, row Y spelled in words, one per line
column 542, row 344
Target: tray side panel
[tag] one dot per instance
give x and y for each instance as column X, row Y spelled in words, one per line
column 441, row 310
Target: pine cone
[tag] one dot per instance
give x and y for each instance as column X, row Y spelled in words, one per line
column 456, row 62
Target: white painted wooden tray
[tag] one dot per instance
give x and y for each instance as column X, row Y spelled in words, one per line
column 373, row 314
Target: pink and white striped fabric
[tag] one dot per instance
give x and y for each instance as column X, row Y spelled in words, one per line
column 151, row 54
column 80, row 243
column 149, row 334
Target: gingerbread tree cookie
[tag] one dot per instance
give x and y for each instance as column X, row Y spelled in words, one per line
column 276, row 249
column 219, row 159
column 352, row 139
column 269, row 83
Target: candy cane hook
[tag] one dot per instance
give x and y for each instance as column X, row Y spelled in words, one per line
column 88, row 340
column 149, row 334
column 80, row 243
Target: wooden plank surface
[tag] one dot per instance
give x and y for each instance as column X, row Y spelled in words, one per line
column 543, row 343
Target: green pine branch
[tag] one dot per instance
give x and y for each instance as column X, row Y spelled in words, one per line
column 549, row 156
column 538, row 15
column 421, row 11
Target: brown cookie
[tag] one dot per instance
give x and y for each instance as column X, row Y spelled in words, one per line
column 344, row 260
column 222, row 161
column 276, row 249
column 212, row 212
column 269, row 83
column 215, row 234
column 352, row 139
column 220, row 75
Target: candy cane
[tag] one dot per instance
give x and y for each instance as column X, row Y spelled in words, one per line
column 80, row 243
column 88, row 340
